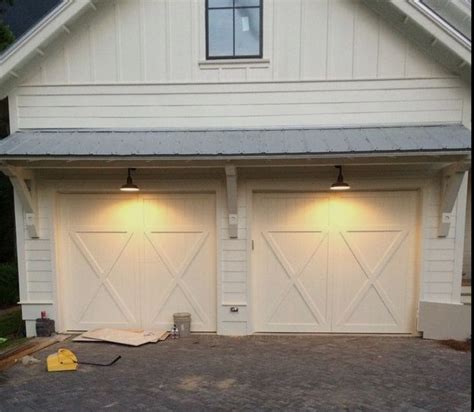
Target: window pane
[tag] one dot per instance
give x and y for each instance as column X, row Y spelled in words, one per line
column 247, row 3
column 247, row 32
column 220, row 33
column 221, row 3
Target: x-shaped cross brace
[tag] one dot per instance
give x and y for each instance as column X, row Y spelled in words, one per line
column 294, row 281
column 178, row 273
column 103, row 275
column 373, row 275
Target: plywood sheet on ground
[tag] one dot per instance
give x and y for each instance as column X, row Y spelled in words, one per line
column 122, row 336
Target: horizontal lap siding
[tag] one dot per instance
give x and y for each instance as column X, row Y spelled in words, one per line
column 401, row 102
column 234, row 271
column 38, row 256
column 439, row 253
column 234, row 257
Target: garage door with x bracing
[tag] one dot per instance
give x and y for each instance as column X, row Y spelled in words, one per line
column 134, row 260
column 334, row 262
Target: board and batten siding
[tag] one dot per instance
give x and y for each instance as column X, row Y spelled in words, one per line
column 163, row 41
column 142, row 64
column 39, row 275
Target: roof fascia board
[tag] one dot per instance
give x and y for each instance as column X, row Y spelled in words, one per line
column 442, row 23
column 417, row 13
column 32, row 42
column 396, row 156
column 425, row 34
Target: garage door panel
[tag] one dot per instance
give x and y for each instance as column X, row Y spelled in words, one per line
column 96, row 211
column 381, row 254
column 371, row 311
column 370, row 245
column 359, row 279
column 177, row 248
column 175, row 210
column 183, row 283
column 180, row 234
column 133, row 261
column 349, row 278
column 174, row 300
column 295, row 308
column 105, row 308
column 373, row 208
column 291, row 272
column 294, row 248
column 178, row 300
column 371, row 279
column 101, row 264
column 391, row 279
column 101, row 248
column 300, row 292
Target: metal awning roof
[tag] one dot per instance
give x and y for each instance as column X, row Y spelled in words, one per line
column 234, row 143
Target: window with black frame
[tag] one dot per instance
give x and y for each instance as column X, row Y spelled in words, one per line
column 234, row 29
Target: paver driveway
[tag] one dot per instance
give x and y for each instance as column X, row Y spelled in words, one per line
column 250, row 373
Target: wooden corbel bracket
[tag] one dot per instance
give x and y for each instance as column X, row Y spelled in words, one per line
column 24, row 184
column 452, row 177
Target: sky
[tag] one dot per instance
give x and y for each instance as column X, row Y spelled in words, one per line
column 25, row 13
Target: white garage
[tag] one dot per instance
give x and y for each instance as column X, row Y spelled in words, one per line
column 347, row 84
column 134, row 260
column 245, row 247
column 334, row 262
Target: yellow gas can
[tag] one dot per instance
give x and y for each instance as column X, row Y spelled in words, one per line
column 63, row 360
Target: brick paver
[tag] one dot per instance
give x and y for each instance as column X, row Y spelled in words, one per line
column 250, row 373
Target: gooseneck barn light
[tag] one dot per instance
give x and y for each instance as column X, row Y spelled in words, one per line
column 129, row 186
column 340, row 184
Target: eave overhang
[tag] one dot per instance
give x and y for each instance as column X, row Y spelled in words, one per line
column 410, row 19
column 30, row 47
column 178, row 148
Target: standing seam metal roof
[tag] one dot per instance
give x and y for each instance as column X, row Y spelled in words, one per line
column 234, row 142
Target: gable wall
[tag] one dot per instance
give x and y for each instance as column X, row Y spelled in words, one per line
column 326, row 63
column 163, row 41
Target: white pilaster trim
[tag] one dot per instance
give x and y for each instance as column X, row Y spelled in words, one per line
column 461, row 210
column 13, row 112
column 231, row 186
column 21, row 248
column 451, row 180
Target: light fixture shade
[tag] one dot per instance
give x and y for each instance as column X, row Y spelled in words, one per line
column 340, row 185
column 129, row 186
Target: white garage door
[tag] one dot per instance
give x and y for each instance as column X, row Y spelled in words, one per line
column 334, row 262
column 134, row 260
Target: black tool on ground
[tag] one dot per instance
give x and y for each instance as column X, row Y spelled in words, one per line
column 100, row 364
column 65, row 360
